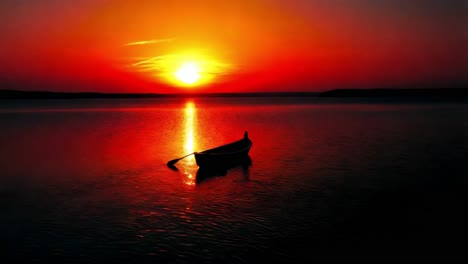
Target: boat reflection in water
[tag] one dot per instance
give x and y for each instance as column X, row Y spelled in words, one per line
column 205, row 173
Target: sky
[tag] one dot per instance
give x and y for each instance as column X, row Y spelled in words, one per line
column 232, row 46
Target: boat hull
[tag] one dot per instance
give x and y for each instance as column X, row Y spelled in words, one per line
column 226, row 156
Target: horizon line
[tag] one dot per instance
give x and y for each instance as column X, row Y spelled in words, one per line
column 344, row 92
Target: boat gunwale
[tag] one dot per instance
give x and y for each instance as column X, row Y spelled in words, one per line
column 206, row 152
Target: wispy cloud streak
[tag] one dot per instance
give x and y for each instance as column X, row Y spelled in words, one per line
column 152, row 41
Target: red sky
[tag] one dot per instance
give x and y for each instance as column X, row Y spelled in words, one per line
column 256, row 45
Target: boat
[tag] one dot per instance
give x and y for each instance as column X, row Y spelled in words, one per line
column 225, row 156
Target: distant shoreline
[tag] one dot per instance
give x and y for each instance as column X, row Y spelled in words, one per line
column 438, row 93
column 430, row 93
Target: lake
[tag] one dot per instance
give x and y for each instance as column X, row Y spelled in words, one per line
column 86, row 180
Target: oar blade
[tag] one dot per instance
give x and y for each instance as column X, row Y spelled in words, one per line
column 172, row 162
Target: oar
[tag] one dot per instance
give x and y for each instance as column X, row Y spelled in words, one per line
column 174, row 161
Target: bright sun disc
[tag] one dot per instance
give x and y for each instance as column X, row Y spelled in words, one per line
column 188, row 73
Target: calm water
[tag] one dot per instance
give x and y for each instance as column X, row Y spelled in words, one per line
column 87, row 180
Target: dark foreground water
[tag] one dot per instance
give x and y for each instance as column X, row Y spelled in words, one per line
column 86, row 180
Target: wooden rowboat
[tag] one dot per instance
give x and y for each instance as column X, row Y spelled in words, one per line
column 225, row 156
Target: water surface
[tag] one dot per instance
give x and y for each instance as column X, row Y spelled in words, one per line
column 87, row 180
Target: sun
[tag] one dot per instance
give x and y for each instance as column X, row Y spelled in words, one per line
column 190, row 69
column 188, row 73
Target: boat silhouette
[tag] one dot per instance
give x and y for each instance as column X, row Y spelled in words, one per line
column 221, row 157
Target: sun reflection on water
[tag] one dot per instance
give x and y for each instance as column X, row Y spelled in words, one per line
column 189, row 129
column 189, row 164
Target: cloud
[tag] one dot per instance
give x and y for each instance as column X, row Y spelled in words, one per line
column 152, row 41
column 165, row 66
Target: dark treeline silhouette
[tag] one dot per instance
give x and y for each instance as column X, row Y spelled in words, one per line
column 399, row 93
